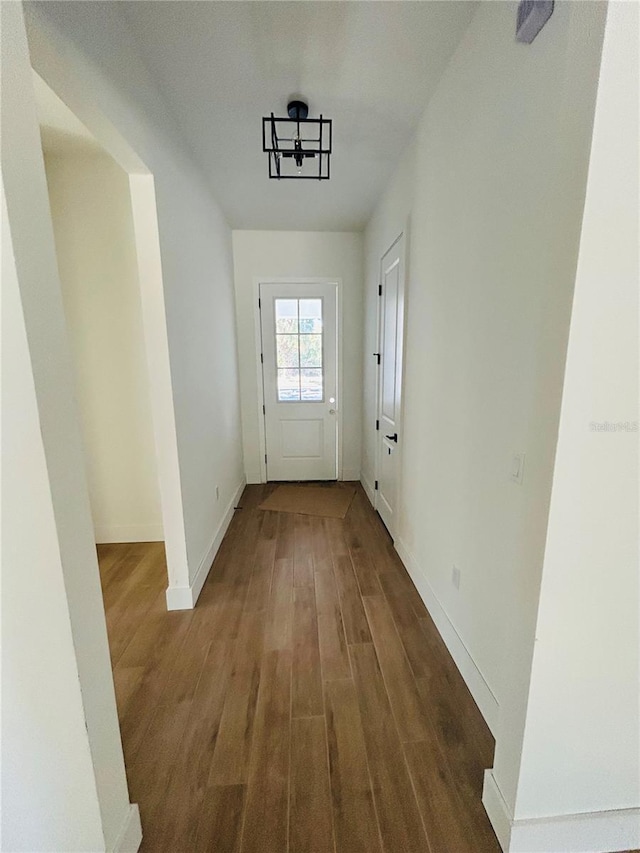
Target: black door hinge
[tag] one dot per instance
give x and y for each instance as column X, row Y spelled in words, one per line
column 261, row 358
column 259, row 303
column 379, row 290
column 375, row 486
column 377, row 424
column 265, row 458
column 264, row 411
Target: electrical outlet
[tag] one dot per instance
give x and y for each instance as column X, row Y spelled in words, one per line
column 455, row 577
column 217, row 493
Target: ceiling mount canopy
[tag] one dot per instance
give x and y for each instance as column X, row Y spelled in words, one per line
column 297, row 109
column 298, row 146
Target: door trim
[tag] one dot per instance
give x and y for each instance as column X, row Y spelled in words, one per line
column 58, row 74
column 399, row 448
column 257, row 331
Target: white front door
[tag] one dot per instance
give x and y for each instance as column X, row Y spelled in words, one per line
column 390, row 332
column 299, row 369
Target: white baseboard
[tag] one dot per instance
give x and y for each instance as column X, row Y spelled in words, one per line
column 591, row 832
column 350, row 474
column 496, row 809
column 130, row 836
column 106, row 534
column 253, row 478
column 480, row 690
column 180, row 598
column 185, row 597
column 366, row 485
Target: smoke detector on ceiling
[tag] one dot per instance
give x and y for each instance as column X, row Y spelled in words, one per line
column 532, row 16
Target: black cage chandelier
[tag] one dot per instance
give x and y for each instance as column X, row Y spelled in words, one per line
column 298, row 147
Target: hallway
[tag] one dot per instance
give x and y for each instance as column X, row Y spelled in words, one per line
column 306, row 704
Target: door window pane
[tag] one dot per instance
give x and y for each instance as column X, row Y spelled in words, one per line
column 286, row 315
column 287, row 351
column 310, row 350
column 310, row 315
column 299, row 350
column 311, row 384
column 288, row 385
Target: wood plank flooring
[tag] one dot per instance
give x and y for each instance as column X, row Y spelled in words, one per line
column 306, row 705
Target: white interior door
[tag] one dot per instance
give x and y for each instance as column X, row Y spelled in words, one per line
column 390, row 331
column 299, row 369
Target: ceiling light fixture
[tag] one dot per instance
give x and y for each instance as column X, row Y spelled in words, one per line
column 293, row 142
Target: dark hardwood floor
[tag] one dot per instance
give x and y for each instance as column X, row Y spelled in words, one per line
column 307, row 704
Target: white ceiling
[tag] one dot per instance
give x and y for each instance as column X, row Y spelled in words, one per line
column 369, row 66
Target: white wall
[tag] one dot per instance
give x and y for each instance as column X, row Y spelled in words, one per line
column 34, row 667
column 304, row 254
column 581, row 747
column 93, row 230
column 86, row 54
column 63, row 776
column 495, row 200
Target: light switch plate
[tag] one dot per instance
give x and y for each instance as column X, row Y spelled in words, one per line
column 517, row 468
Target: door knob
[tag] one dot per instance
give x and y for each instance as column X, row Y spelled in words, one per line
column 393, row 437
column 332, row 411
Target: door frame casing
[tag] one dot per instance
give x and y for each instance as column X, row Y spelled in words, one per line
column 257, row 330
column 73, row 91
column 404, row 233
